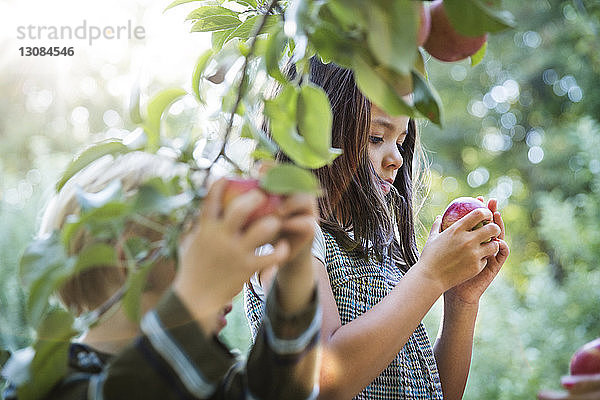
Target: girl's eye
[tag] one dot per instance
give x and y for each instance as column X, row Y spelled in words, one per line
column 375, row 139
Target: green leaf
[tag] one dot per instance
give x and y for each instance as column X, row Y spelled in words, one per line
column 156, row 107
column 378, row 90
column 426, row 100
column 208, row 19
column 475, row 18
column 136, row 282
column 90, row 155
column 150, row 200
column 50, row 362
column 249, row 26
column 281, row 112
column 199, row 70
column 219, row 37
column 138, row 247
column 249, row 3
column 275, row 45
column 264, row 142
column 392, row 33
column 95, row 255
column 39, row 256
column 345, row 12
column 478, row 57
column 43, row 266
column 111, row 214
column 210, row 12
column 332, row 46
column 179, row 2
column 314, row 118
column 288, row 179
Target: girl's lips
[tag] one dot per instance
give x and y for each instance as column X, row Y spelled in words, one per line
column 386, row 185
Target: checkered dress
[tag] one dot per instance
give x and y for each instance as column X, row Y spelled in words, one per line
column 357, row 286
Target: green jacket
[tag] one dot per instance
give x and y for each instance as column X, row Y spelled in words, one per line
column 172, row 359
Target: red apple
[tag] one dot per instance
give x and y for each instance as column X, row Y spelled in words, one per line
column 444, row 42
column 238, row 186
column 460, row 207
column 424, row 25
column 586, row 360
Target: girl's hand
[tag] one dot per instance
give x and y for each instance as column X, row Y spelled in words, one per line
column 471, row 291
column 457, row 254
column 580, row 387
column 218, row 255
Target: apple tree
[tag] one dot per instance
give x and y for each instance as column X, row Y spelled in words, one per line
column 378, row 40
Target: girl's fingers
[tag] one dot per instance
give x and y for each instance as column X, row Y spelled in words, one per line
column 299, row 224
column 473, row 218
column 260, row 232
column 493, row 205
column 487, row 232
column 556, row 395
column 236, row 213
column 503, row 251
column 280, row 253
column 581, row 383
column 301, row 203
column 498, row 221
column 211, row 206
column 490, row 249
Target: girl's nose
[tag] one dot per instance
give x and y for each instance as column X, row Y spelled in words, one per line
column 393, row 158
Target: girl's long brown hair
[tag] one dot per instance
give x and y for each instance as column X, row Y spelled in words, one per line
column 352, row 199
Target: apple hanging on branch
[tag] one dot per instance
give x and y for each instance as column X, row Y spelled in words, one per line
column 444, row 42
column 460, row 207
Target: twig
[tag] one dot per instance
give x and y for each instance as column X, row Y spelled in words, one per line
column 240, row 93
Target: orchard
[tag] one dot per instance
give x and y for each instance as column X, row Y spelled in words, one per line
column 388, row 44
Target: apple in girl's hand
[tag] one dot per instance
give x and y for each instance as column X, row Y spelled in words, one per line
column 237, row 186
column 444, row 42
column 460, row 207
column 586, row 360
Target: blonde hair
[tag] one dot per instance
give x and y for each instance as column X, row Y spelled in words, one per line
column 92, row 287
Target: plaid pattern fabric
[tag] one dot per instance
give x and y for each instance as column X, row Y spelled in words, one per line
column 358, row 284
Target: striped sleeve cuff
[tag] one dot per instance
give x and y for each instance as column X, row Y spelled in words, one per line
column 288, row 334
column 197, row 361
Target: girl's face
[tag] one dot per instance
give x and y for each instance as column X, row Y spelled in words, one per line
column 386, row 137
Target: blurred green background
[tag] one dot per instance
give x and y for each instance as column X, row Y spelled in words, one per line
column 523, row 126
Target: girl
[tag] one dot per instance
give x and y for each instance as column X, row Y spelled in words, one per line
column 375, row 288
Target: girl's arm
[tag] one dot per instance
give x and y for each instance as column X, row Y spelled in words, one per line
column 356, row 353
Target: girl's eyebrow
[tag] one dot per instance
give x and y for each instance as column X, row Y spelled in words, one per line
column 386, row 124
column 383, row 122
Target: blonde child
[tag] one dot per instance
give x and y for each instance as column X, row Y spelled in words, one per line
column 174, row 353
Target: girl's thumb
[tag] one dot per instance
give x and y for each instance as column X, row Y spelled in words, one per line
column 435, row 228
